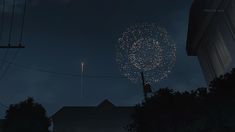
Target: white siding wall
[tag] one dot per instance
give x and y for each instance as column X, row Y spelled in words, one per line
column 205, row 63
column 214, row 54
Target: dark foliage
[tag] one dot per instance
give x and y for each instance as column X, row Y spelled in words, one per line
column 26, row 116
column 204, row 110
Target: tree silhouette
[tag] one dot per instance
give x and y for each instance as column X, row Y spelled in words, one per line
column 26, row 116
column 203, row 110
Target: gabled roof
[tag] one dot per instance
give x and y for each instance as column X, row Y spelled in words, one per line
column 104, row 107
column 106, row 104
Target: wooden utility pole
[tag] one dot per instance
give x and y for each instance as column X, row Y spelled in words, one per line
column 143, row 82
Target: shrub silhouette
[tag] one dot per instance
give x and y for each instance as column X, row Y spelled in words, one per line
column 203, row 110
column 26, row 116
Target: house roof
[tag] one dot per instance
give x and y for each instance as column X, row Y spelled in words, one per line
column 104, row 107
column 106, row 104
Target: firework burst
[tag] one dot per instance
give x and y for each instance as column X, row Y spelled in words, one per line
column 146, row 48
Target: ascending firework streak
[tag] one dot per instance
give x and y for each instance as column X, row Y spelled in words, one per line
column 82, row 70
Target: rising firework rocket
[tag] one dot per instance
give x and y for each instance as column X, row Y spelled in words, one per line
column 82, row 71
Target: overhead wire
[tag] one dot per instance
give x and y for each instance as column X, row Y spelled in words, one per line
column 23, row 22
column 2, row 23
column 2, row 19
column 10, row 37
column 11, row 62
column 62, row 73
column 2, row 29
column 9, row 40
column 9, row 65
column 12, row 22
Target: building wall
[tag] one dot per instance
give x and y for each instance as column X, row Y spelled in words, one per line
column 214, row 55
column 211, row 36
column 216, row 48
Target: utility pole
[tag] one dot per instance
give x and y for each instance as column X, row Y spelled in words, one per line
column 143, row 83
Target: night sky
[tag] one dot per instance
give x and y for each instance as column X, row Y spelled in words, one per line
column 59, row 34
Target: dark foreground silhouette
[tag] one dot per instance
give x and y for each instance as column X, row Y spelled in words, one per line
column 26, row 116
column 203, row 110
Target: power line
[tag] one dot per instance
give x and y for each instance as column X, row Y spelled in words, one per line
column 10, row 37
column 72, row 74
column 9, row 41
column 11, row 22
column 2, row 19
column 9, row 65
column 4, row 58
column 23, row 22
column 2, row 24
column 2, row 30
column 61, row 73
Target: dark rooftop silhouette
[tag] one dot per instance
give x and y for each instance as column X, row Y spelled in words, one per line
column 106, row 104
column 104, row 117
